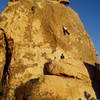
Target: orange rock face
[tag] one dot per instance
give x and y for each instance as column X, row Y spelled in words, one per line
column 45, row 53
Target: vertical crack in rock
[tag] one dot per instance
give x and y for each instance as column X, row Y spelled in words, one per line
column 9, row 48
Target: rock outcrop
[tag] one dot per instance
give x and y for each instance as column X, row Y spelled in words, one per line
column 45, row 53
column 60, row 1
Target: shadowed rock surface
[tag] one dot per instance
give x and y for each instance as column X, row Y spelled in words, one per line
column 46, row 53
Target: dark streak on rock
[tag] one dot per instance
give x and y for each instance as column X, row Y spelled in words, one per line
column 46, row 65
column 8, row 59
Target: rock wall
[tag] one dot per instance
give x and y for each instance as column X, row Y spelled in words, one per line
column 45, row 53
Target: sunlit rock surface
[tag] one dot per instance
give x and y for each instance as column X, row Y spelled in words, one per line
column 45, row 53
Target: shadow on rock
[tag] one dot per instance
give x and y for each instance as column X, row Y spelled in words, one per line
column 24, row 91
column 87, row 96
column 94, row 72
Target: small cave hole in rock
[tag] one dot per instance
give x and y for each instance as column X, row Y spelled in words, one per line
column 46, row 65
column 65, row 31
column 62, row 56
column 33, row 9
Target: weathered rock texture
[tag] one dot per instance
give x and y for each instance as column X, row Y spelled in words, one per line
column 45, row 53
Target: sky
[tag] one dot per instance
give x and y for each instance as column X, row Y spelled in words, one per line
column 89, row 12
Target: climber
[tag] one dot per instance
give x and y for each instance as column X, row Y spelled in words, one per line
column 65, row 31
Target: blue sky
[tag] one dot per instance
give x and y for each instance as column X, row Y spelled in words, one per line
column 89, row 12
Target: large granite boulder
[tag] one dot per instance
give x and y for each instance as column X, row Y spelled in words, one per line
column 45, row 53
